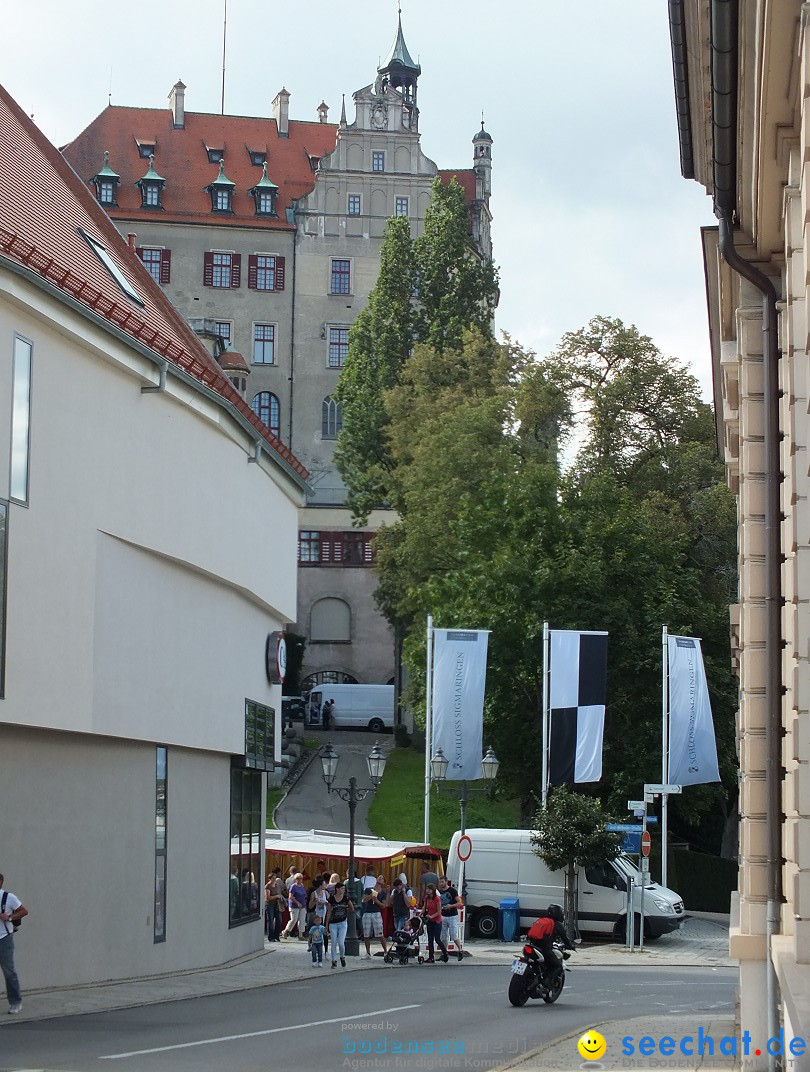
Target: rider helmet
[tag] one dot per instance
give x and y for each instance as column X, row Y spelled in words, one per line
column 556, row 913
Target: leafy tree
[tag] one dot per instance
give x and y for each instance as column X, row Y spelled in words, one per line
column 380, row 341
column 570, row 833
column 429, row 290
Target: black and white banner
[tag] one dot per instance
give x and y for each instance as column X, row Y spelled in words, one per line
column 692, row 747
column 459, row 676
column 578, row 672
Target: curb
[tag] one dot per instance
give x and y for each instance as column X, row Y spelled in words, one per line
column 296, row 773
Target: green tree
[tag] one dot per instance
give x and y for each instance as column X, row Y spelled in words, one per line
column 429, row 290
column 380, row 341
column 570, row 833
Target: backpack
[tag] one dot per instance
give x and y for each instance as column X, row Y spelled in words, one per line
column 15, row 923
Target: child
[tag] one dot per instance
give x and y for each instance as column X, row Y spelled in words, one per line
column 317, row 934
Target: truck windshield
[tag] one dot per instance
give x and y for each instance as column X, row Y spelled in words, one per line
column 628, row 869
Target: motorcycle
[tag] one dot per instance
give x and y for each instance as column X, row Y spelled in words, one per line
column 529, row 975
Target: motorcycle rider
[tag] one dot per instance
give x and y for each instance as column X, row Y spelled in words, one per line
column 548, row 926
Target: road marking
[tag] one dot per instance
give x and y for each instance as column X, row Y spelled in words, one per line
column 256, row 1034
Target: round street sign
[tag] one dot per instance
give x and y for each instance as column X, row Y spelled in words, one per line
column 646, row 841
column 464, row 848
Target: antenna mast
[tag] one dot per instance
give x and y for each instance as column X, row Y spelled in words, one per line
column 224, row 38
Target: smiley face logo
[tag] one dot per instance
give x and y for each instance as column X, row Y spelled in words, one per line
column 592, row 1046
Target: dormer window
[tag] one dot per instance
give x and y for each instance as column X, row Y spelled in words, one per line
column 257, row 157
column 264, row 194
column 145, row 148
column 221, row 191
column 106, row 183
column 151, row 187
column 215, row 156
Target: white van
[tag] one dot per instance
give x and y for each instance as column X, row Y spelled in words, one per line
column 356, row 706
column 503, row 864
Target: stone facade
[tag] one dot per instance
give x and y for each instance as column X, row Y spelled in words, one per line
column 771, row 87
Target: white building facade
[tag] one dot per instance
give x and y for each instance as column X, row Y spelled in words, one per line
column 137, row 713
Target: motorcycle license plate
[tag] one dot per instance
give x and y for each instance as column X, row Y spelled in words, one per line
column 518, row 967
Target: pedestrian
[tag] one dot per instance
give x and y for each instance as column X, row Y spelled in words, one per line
column 12, row 910
column 370, row 877
column 291, row 873
column 316, row 940
column 451, row 902
column 274, row 904
column 326, row 714
column 432, row 908
column 400, row 903
column 318, row 900
column 337, row 920
column 426, row 877
column 298, row 908
column 372, row 920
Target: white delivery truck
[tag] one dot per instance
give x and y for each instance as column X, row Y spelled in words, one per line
column 356, row 706
column 503, row 864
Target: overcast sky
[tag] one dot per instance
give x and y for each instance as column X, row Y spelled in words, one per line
column 591, row 215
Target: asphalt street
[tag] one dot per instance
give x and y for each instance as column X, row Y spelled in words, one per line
column 453, row 1016
column 308, row 805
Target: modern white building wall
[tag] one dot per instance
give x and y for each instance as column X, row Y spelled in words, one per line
column 148, row 541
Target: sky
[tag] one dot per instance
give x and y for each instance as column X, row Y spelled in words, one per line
column 591, row 215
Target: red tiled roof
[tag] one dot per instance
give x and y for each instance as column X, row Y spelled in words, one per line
column 42, row 210
column 465, row 179
column 181, row 158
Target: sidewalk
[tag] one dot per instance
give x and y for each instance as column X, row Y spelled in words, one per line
column 703, row 941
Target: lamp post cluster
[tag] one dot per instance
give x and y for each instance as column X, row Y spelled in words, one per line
column 438, row 772
column 351, row 794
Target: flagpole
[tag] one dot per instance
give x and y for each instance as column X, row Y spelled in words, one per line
column 544, row 794
column 664, row 749
column 428, row 722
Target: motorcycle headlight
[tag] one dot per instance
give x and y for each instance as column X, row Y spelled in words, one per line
column 663, row 906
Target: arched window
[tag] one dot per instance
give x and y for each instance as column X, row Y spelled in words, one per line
column 330, row 622
column 266, row 407
column 327, row 677
column 331, row 418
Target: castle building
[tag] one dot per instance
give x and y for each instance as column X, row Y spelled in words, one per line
column 265, row 233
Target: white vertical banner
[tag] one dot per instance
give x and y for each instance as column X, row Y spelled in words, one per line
column 692, row 748
column 459, row 677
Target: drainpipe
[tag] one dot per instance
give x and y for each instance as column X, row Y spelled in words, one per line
column 773, row 604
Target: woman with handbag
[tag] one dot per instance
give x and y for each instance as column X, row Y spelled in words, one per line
column 337, row 922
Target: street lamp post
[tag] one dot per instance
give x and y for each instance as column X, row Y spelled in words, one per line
column 438, row 772
column 351, row 794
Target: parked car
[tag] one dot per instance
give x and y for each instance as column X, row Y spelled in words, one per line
column 293, row 709
column 504, row 864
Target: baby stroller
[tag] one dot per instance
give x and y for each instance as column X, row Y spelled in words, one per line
column 407, row 943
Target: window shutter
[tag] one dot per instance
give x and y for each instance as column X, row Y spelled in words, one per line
column 139, row 251
column 253, row 271
column 337, row 546
column 368, row 554
column 280, row 273
column 236, row 270
column 208, row 270
column 326, row 547
column 165, row 265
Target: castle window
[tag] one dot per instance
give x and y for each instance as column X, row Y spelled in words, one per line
column 378, row 160
column 402, row 206
column 266, row 407
column 354, row 205
column 264, row 344
column 222, row 270
column 158, row 262
column 338, row 347
column 331, row 418
column 341, row 277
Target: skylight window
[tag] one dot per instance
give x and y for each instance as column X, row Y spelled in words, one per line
column 145, row 148
column 214, row 155
column 103, row 255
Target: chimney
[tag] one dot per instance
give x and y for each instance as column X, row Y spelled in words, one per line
column 281, row 112
column 177, row 103
column 132, row 238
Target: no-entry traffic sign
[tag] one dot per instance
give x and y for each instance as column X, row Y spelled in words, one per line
column 464, row 848
column 646, row 841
